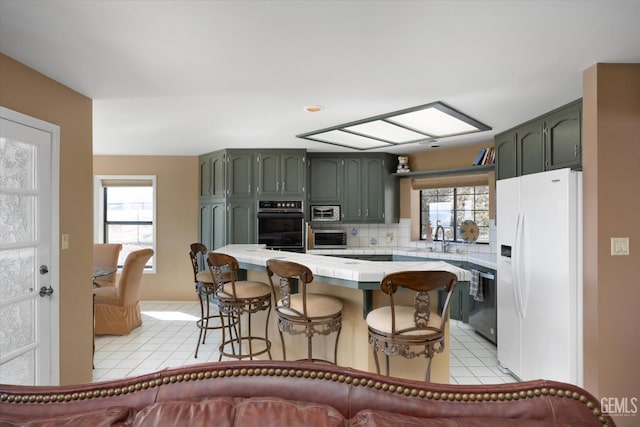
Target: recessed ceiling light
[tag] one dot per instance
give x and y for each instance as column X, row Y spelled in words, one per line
column 313, row 108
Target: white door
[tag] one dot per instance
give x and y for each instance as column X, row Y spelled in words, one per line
column 28, row 250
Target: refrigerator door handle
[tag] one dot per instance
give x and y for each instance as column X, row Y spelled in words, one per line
column 522, row 283
column 515, row 268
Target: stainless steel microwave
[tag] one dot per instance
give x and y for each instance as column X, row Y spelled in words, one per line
column 329, row 239
column 326, row 213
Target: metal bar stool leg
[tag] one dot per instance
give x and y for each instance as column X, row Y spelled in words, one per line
column 309, row 343
column 335, row 348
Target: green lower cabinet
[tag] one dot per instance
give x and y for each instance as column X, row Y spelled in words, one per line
column 459, row 309
column 241, row 221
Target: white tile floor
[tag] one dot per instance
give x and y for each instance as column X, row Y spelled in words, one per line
column 473, row 359
column 168, row 336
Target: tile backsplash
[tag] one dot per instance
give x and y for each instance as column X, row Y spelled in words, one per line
column 399, row 236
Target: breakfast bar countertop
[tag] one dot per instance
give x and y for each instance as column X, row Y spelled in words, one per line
column 359, row 274
column 485, row 259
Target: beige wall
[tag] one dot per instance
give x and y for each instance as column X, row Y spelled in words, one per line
column 25, row 90
column 176, row 221
column 611, row 150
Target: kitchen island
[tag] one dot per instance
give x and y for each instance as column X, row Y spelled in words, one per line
column 356, row 283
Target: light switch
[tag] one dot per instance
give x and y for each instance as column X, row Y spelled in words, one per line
column 64, row 241
column 619, row 246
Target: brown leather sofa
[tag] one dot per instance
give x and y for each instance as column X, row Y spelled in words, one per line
column 270, row 393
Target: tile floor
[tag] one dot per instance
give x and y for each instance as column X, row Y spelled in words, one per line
column 168, row 336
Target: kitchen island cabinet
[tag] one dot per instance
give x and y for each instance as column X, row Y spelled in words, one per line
column 350, row 280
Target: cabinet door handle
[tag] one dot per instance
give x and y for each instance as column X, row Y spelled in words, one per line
column 277, row 186
column 575, row 151
column 283, row 186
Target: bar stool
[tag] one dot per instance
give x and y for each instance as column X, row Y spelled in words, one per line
column 396, row 330
column 205, row 288
column 304, row 312
column 235, row 299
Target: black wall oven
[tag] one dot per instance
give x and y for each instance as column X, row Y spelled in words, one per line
column 281, row 225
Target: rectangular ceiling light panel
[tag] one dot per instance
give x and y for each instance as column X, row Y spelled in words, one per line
column 386, row 131
column 339, row 137
column 435, row 120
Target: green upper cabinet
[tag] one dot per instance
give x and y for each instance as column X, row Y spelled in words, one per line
column 374, row 188
column 563, row 138
column 325, row 180
column 551, row 141
column 530, row 149
column 240, row 167
column 364, row 184
column 281, row 173
column 218, row 175
column 353, row 195
column 361, row 184
column 506, row 157
column 212, row 175
column 205, row 176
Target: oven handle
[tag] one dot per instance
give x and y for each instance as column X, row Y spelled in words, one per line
column 280, row 214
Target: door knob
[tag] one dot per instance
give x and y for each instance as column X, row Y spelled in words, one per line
column 44, row 269
column 44, row 291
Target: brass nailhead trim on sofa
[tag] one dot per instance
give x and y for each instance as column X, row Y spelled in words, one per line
column 315, row 374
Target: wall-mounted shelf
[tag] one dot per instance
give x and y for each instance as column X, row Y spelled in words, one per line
column 455, row 171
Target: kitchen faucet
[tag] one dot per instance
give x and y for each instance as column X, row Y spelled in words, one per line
column 444, row 243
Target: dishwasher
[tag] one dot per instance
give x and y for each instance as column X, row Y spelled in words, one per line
column 483, row 314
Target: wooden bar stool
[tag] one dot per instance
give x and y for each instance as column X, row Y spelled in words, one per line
column 235, row 299
column 303, row 312
column 396, row 330
column 205, row 288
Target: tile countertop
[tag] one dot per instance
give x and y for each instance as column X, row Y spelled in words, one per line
column 356, row 271
column 487, row 260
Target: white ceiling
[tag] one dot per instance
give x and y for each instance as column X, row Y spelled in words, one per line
column 189, row 77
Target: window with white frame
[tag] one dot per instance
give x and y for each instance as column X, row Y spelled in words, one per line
column 125, row 212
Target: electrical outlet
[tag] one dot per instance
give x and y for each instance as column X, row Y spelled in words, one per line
column 619, row 246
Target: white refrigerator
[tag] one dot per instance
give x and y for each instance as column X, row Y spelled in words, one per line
column 539, row 287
